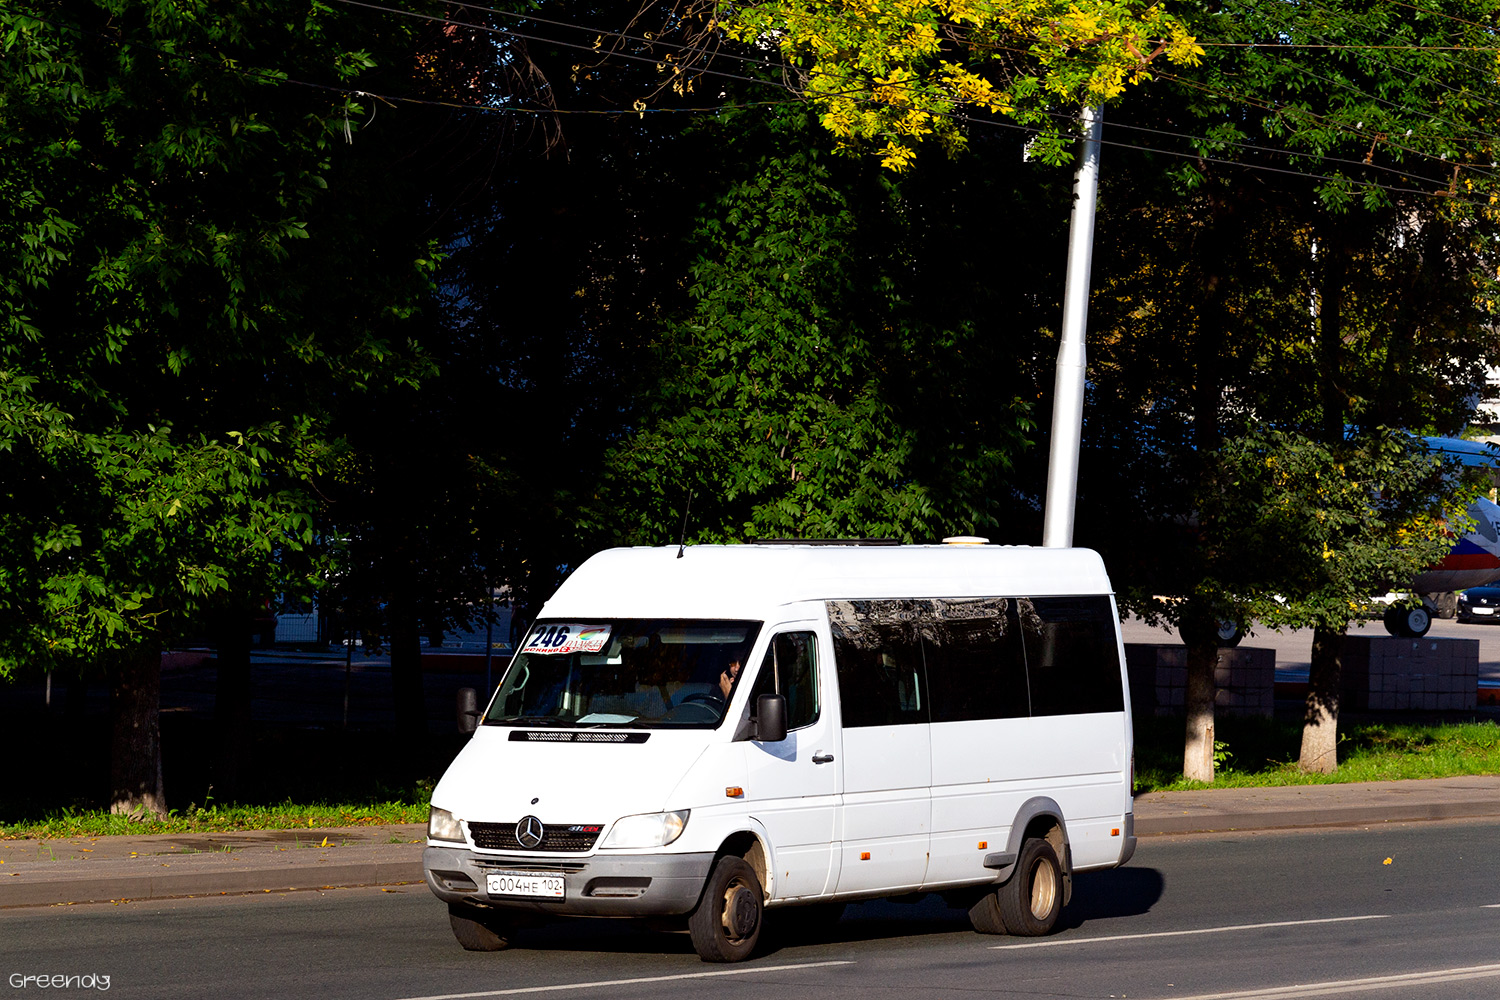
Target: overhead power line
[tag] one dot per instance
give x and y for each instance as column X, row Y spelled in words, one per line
column 279, row 77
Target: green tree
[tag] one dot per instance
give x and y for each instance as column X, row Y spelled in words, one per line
column 1328, row 526
column 805, row 394
column 1353, row 297
column 191, row 275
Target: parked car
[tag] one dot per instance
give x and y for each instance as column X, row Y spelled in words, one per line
column 1479, row 604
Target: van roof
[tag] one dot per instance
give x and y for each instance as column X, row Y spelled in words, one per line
column 746, row 581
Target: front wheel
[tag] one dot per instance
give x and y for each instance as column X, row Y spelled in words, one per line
column 726, row 925
column 1031, row 901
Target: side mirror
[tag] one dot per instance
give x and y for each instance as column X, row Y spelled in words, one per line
column 468, row 710
column 770, row 718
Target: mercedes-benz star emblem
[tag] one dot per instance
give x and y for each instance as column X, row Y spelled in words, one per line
column 529, row 832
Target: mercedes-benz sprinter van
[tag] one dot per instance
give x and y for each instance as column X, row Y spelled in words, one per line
column 712, row 733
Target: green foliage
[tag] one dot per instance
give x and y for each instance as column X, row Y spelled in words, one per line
column 193, row 265
column 1328, row 525
column 803, row 396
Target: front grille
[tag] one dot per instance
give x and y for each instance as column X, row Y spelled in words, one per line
column 557, row 837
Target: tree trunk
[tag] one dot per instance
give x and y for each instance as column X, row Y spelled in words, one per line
column 1198, row 750
column 135, row 745
column 1320, row 720
column 232, row 718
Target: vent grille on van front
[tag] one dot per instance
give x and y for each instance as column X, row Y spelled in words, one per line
column 557, row 837
column 591, row 736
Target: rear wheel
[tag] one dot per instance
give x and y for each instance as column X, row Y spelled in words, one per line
column 477, row 931
column 726, row 925
column 1031, row 901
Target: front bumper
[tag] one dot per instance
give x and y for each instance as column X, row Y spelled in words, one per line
column 604, row 885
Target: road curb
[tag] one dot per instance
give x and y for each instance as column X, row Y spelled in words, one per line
column 234, row 881
column 1302, row 819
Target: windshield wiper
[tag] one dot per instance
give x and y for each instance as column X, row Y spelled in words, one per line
column 532, row 720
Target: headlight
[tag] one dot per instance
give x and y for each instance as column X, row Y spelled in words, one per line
column 443, row 825
column 648, row 830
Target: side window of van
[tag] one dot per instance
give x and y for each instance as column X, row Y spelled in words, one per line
column 879, row 661
column 1072, row 660
column 791, row 669
column 975, row 664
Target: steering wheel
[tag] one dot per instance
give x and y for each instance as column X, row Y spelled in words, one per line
column 704, row 696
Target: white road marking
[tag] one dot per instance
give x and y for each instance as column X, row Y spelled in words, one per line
column 750, row 970
column 1335, row 987
column 1057, row 942
column 1490, row 906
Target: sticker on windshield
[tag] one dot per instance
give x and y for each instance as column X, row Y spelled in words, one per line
column 559, row 639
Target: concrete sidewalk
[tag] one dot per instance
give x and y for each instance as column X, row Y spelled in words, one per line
column 109, row 869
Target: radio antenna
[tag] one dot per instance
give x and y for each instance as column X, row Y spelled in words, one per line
column 682, row 536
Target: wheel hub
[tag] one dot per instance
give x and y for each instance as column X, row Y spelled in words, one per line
column 741, row 915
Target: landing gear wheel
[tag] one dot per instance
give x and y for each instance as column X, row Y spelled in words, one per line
column 726, row 925
column 1228, row 634
column 1030, row 902
column 1407, row 623
column 476, row 931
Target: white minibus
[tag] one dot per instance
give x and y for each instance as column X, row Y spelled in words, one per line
column 723, row 735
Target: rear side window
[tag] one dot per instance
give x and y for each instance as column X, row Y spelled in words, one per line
column 1072, row 659
column 879, row 661
column 976, row 666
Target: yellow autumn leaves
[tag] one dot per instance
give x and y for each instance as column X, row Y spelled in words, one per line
column 894, row 72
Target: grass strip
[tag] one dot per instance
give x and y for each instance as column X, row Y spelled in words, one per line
column 79, row 822
column 1258, row 753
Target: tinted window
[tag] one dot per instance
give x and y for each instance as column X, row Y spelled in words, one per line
column 976, row 667
column 879, row 660
column 791, row 669
column 1072, row 659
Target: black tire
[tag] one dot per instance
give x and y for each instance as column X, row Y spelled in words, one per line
column 1407, row 623
column 726, row 925
column 1229, row 634
column 474, row 933
column 1030, row 902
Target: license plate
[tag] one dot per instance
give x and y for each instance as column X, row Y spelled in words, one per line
column 1481, row 611
column 524, row 884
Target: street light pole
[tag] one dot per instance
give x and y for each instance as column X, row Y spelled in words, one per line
column 1067, row 395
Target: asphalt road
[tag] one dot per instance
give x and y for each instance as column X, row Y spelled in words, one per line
column 1234, row 916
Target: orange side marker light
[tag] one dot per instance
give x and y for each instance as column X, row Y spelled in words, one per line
column 864, row 855
column 983, row 844
column 735, row 792
column 1114, row 832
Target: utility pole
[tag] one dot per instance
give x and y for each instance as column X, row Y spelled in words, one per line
column 1067, row 393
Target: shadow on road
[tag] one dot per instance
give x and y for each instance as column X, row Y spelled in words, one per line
column 1116, row 892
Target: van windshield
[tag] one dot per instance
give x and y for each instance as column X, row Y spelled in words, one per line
column 635, row 672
